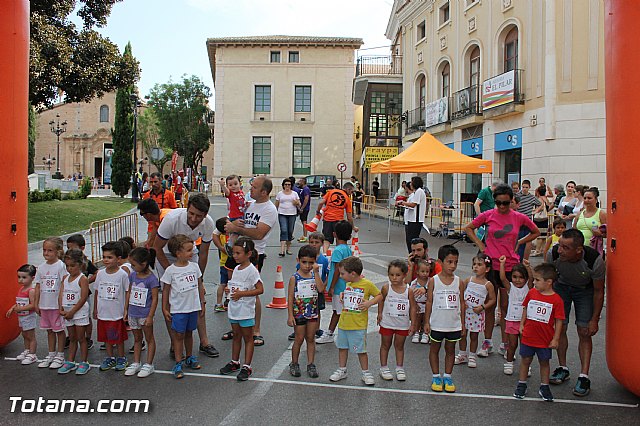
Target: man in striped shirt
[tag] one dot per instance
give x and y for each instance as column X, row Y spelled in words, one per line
column 528, row 201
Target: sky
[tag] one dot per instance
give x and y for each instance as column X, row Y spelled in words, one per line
column 168, row 37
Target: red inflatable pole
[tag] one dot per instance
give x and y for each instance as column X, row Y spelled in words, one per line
column 14, row 95
column 622, row 62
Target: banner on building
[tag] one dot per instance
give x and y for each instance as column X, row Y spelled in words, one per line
column 437, row 112
column 107, row 156
column 373, row 154
column 498, row 90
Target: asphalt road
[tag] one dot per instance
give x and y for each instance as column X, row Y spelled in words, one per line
column 272, row 396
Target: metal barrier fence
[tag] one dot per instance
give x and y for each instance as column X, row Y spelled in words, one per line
column 103, row 231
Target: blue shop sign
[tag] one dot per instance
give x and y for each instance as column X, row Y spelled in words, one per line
column 511, row 139
column 449, row 145
column 472, row 146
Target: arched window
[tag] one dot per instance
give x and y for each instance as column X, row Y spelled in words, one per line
column 511, row 50
column 104, row 114
column 422, row 90
column 474, row 67
column 445, row 79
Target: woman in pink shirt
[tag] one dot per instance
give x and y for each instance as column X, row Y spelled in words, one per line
column 502, row 239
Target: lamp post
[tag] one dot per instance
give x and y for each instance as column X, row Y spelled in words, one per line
column 134, row 180
column 48, row 161
column 57, row 129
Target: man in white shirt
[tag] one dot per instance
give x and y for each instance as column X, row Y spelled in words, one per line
column 258, row 221
column 194, row 222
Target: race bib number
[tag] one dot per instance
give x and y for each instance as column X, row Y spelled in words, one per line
column 472, row 298
column 69, row 299
column 108, row 291
column 138, row 296
column 448, row 299
column 398, row 307
column 539, row 311
column 186, row 282
column 49, row 284
column 306, row 289
column 515, row 312
column 352, row 298
column 22, row 301
column 235, row 286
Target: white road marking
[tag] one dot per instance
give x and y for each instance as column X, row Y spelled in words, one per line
column 272, row 379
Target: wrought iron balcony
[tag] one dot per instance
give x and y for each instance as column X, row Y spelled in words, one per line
column 416, row 120
column 466, row 102
column 379, row 65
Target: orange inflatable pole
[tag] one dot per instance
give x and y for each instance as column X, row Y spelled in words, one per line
column 622, row 62
column 14, row 92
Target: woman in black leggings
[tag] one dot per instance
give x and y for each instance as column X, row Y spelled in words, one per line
column 415, row 209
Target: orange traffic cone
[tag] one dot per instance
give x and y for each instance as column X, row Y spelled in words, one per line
column 355, row 250
column 279, row 300
column 313, row 225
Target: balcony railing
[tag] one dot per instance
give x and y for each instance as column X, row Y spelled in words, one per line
column 466, row 102
column 379, row 65
column 416, row 120
column 505, row 88
column 211, row 117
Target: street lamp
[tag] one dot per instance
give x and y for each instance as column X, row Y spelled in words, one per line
column 57, row 129
column 48, row 161
column 134, row 180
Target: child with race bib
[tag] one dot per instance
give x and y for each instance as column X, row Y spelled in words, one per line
column 479, row 295
column 358, row 296
column 540, row 326
column 396, row 316
column 25, row 310
column 445, row 310
column 74, row 308
column 302, row 305
column 141, row 304
column 48, row 278
column 244, row 285
column 517, row 289
column 182, row 301
column 316, row 240
column 111, row 285
column 419, row 289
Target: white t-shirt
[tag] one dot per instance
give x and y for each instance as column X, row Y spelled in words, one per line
column 418, row 212
column 71, row 293
column 49, row 276
column 286, row 203
column 184, row 296
column 111, row 290
column 175, row 222
column 243, row 280
column 260, row 213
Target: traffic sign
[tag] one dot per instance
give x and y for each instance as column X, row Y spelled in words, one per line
column 342, row 167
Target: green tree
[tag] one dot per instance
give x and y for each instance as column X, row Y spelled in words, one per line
column 122, row 136
column 79, row 62
column 181, row 110
column 33, row 134
column 149, row 135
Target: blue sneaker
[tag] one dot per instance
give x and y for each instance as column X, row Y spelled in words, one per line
column 121, row 363
column 83, row 368
column 67, row 367
column 108, row 364
column 177, row 370
column 436, row 384
column 583, row 387
column 192, row 363
column 448, row 385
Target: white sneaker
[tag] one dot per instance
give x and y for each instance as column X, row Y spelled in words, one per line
column 368, row 379
column 22, row 355
column 146, row 370
column 424, row 339
column 46, row 362
column 485, row 349
column 325, row 338
column 415, row 338
column 29, row 359
column 133, row 369
column 338, row 375
column 385, row 373
column 56, row 363
column 400, row 374
column 461, row 359
column 473, row 361
column 508, row 368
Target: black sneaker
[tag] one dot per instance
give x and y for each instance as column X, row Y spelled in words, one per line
column 292, row 336
column 231, row 367
column 209, row 351
column 559, row 376
column 144, row 347
column 319, row 332
column 312, row 371
column 89, row 344
column 244, row 373
column 521, row 390
column 545, row 393
column 294, row 369
column 67, row 341
column 583, row 387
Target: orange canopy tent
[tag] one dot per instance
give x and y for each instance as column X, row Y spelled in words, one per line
column 429, row 155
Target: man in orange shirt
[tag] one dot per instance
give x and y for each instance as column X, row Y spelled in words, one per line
column 336, row 203
column 150, row 211
column 163, row 197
